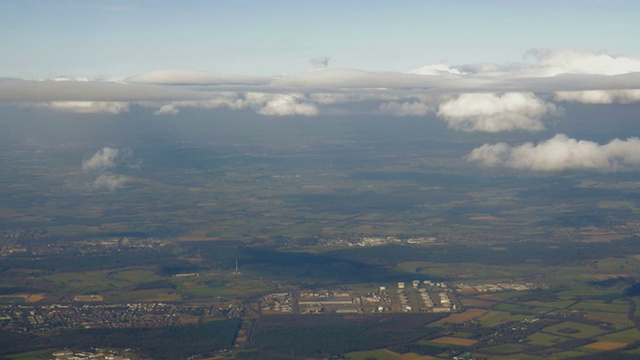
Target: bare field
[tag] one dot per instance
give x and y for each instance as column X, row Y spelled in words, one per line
column 30, row 298
column 409, row 356
column 605, row 345
column 454, row 341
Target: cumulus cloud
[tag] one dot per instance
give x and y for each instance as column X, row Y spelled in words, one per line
column 563, row 61
column 599, row 96
column 560, row 153
column 102, row 160
column 436, row 69
column 493, row 113
column 231, row 101
column 477, row 97
column 263, row 103
column 110, row 182
column 414, row 108
column 285, row 104
column 87, row 107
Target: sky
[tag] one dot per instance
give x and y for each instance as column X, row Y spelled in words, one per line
column 493, row 66
column 113, row 39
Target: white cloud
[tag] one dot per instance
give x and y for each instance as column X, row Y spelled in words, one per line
column 110, row 182
column 436, row 69
column 560, row 153
column 493, row 113
column 286, row 104
column 345, row 79
column 224, row 99
column 478, row 97
column 103, row 159
column 567, row 61
column 599, row 96
column 87, row 107
column 263, row 103
column 414, row 108
column 168, row 109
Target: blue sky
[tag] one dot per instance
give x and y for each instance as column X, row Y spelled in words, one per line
column 464, row 63
column 111, row 39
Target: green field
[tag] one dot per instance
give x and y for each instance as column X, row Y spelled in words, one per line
column 503, row 349
column 500, row 318
column 545, row 339
column 627, row 336
column 573, row 330
column 33, row 355
column 368, row 355
column 273, row 193
column 615, row 307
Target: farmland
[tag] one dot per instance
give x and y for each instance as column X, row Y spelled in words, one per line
column 546, row 265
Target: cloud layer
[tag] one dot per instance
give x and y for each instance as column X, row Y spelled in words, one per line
column 468, row 97
column 600, row 96
column 560, row 153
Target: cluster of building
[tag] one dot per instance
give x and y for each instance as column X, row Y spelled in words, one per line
column 380, row 298
column 47, row 318
column 23, row 233
column 279, row 302
column 426, row 291
column 445, row 303
column 375, row 241
column 404, row 300
column 480, row 288
column 93, row 354
column 311, row 302
column 21, row 245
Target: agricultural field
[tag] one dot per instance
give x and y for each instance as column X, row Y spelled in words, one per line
column 290, row 208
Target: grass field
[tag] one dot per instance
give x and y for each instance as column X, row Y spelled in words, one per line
column 627, row 336
column 374, row 354
column 493, row 318
column 540, row 338
column 573, row 330
column 550, row 304
column 475, row 302
column 567, row 354
column 518, row 308
column 618, row 321
column 135, row 275
column 614, row 307
column 503, row 349
column 33, row 355
column 462, row 317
